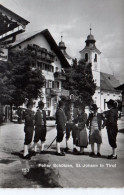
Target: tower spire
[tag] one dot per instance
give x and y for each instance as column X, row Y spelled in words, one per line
column 61, row 38
column 90, row 29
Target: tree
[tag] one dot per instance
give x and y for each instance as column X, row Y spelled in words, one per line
column 6, row 85
column 80, row 83
column 26, row 78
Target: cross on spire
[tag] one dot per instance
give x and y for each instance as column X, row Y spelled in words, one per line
column 90, row 29
column 61, row 38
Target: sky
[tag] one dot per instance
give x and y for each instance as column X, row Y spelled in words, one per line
column 72, row 19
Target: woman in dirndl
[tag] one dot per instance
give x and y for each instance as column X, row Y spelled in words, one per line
column 82, row 138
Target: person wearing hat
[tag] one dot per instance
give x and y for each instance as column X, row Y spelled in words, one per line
column 40, row 127
column 72, row 118
column 94, row 123
column 111, row 118
column 60, row 126
column 28, row 128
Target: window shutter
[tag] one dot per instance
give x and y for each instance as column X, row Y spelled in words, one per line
column 53, row 84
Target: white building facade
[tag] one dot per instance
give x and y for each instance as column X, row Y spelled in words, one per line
column 51, row 61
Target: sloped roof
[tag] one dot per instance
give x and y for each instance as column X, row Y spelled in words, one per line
column 108, row 82
column 26, row 36
column 91, row 49
column 120, row 87
column 23, row 37
column 9, row 20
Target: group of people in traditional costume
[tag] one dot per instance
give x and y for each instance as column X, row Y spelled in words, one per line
column 72, row 120
column 34, row 123
column 76, row 121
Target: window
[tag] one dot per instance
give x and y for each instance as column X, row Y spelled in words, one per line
column 57, row 69
column 39, row 65
column 95, row 59
column 44, row 66
column 53, row 84
column 50, row 84
column 48, row 102
column 47, row 83
column 56, row 85
column 104, row 104
column 86, row 57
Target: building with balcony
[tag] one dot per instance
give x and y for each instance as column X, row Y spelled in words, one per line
column 50, row 60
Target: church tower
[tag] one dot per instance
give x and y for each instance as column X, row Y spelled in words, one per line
column 92, row 55
column 63, row 50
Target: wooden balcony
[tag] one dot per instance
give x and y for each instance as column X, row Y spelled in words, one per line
column 57, row 92
column 41, row 53
column 53, row 92
column 59, row 76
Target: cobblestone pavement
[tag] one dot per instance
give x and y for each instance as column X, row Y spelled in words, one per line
column 50, row 171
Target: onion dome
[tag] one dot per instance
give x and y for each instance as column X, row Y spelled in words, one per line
column 90, row 42
column 62, row 44
column 90, row 37
column 63, row 49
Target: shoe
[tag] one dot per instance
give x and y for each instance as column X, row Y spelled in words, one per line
column 75, row 150
column 80, row 153
column 27, row 157
column 92, row 154
column 98, row 154
column 113, row 157
column 63, row 152
column 109, row 156
column 32, row 153
column 42, row 152
column 66, row 149
column 60, row 154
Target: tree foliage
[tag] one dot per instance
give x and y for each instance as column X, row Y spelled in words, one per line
column 79, row 80
column 25, row 79
column 6, row 85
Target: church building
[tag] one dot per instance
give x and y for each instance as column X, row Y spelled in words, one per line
column 62, row 47
column 105, row 83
